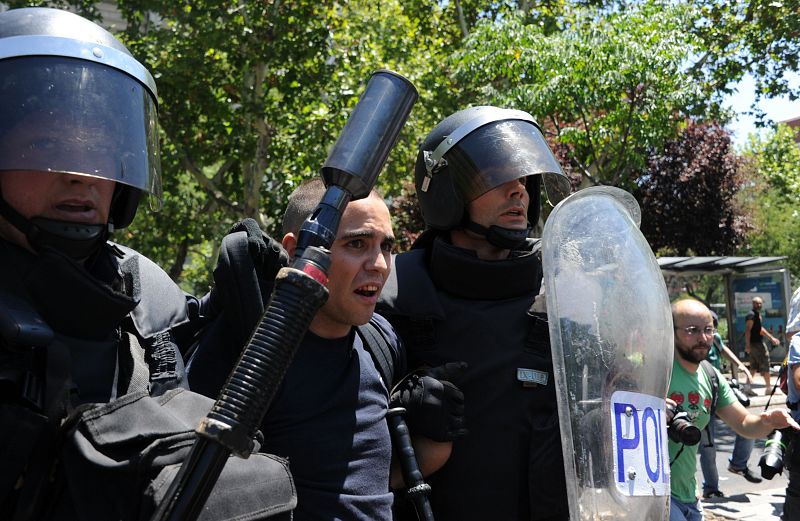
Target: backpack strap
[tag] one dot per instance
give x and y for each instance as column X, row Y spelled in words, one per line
column 382, row 354
column 712, row 377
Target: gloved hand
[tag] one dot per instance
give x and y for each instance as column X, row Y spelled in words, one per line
column 434, row 405
column 267, row 254
column 244, row 277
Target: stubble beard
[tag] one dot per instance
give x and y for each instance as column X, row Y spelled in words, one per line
column 692, row 355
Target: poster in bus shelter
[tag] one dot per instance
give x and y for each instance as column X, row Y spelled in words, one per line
column 773, row 288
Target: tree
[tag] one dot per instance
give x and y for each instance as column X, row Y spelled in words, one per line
column 688, row 194
column 774, row 161
column 757, row 37
column 252, row 94
column 610, row 86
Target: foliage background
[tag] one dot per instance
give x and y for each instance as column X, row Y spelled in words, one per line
column 253, row 94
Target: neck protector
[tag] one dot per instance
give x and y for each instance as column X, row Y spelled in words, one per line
column 505, row 238
column 76, row 240
column 460, row 272
column 76, row 301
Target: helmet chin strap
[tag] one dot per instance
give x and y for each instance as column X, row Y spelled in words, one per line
column 505, row 238
column 76, row 240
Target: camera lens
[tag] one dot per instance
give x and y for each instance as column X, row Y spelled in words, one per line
column 681, row 430
column 740, row 396
column 771, row 461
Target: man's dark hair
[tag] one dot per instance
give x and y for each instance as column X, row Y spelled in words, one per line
column 302, row 202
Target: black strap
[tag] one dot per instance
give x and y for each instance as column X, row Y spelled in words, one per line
column 712, row 376
column 382, row 355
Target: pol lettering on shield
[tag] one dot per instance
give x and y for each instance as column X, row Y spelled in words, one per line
column 639, row 440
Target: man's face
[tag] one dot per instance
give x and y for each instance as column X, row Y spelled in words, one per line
column 360, row 264
column 64, row 197
column 45, row 142
column 505, row 205
column 757, row 304
column 693, row 347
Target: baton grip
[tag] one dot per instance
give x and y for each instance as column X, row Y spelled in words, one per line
column 236, row 415
column 417, row 490
column 246, row 396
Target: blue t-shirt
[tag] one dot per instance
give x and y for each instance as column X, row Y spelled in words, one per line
column 329, row 419
column 794, row 359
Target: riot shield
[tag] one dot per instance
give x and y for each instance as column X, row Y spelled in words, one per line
column 611, row 334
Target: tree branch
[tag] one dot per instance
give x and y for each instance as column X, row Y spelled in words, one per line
column 462, row 21
column 584, row 171
column 180, row 258
column 207, row 184
column 622, row 172
column 223, row 169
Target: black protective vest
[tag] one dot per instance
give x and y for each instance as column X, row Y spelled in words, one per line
column 90, row 356
column 510, row 464
column 85, row 336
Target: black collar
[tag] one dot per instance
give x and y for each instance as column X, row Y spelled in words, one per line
column 73, row 300
column 460, row 272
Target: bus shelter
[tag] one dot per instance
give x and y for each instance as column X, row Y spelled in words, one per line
column 744, row 278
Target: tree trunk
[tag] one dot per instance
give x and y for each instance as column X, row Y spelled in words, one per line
column 462, row 21
column 180, row 258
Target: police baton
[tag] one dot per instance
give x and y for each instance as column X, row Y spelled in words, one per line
column 349, row 173
column 417, row 490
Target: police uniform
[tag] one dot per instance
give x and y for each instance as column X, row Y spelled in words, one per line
column 457, row 307
column 98, row 333
column 448, row 305
column 96, row 419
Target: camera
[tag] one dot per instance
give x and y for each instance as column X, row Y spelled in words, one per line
column 680, row 429
column 771, row 461
column 737, row 392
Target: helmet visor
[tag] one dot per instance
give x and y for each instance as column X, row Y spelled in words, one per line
column 503, row 151
column 73, row 116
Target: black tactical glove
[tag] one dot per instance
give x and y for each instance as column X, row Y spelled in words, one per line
column 246, row 261
column 267, row 254
column 244, row 277
column 434, row 405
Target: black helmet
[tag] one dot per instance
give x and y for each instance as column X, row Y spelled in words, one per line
column 477, row 149
column 75, row 101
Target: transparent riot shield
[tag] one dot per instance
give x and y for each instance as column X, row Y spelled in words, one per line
column 612, row 340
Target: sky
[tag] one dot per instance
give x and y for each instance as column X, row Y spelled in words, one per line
column 777, row 109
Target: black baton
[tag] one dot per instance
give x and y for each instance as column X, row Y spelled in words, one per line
column 417, row 490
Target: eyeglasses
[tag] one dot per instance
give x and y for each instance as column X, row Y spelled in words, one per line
column 694, row 330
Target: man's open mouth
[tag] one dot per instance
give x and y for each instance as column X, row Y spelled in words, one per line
column 369, row 290
column 73, row 207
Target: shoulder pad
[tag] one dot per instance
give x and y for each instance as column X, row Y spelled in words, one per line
column 419, row 297
column 162, row 304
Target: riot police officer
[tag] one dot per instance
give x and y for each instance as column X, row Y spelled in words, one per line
column 466, row 291
column 85, row 322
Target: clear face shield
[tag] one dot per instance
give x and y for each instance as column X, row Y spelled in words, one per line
column 67, row 115
column 502, row 152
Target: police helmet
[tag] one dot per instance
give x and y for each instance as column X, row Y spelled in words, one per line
column 76, row 101
column 477, row 149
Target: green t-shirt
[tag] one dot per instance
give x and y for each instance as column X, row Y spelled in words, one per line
column 692, row 391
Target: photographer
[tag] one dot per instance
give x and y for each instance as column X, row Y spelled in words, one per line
column 691, row 390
